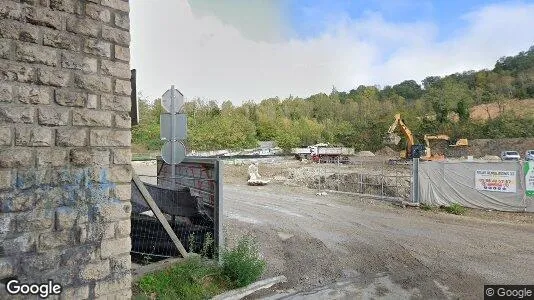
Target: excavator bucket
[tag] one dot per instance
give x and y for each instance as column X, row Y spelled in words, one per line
column 460, row 143
column 392, row 139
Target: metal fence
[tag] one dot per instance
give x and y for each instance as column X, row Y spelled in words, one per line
column 191, row 203
column 386, row 185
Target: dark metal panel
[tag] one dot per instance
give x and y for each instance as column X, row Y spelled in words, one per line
column 134, row 112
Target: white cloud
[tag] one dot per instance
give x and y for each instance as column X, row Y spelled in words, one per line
column 258, row 20
column 491, row 32
column 206, row 57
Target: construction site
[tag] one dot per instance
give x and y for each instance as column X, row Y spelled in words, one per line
column 365, row 172
column 349, row 230
column 109, row 194
column 356, row 220
column 345, row 228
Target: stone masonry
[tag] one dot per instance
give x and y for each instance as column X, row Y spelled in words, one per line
column 65, row 146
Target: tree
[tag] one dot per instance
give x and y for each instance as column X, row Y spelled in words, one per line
column 430, row 81
column 408, row 89
column 286, row 141
column 450, row 96
column 358, row 118
column 308, row 131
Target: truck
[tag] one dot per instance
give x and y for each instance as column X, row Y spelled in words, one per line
column 323, row 153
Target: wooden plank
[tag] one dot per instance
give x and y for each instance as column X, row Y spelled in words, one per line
column 250, row 289
column 157, row 212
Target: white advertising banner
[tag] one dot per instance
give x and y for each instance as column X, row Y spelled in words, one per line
column 529, row 178
column 497, row 185
column 496, row 181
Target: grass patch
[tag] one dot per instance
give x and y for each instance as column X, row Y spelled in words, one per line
column 194, row 278
column 455, row 209
column 425, row 206
column 199, row 278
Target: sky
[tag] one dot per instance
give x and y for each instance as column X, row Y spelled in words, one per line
column 242, row 50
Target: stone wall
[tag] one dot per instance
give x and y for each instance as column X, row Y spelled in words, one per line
column 65, row 145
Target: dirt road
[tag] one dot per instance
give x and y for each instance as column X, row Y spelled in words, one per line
column 373, row 249
column 343, row 247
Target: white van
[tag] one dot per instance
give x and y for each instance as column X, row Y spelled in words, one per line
column 510, row 155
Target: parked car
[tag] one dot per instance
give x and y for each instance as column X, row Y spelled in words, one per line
column 529, row 155
column 510, row 155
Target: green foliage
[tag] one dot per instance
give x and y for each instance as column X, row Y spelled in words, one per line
column 193, row 278
column 522, row 61
column 425, row 207
column 198, row 278
column 208, row 246
column 450, row 96
column 224, row 131
column 455, row 209
column 147, row 135
column 430, row 81
column 360, row 117
column 243, row 264
column 408, row 89
column 287, row 140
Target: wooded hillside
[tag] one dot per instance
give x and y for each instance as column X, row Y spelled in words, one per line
column 360, row 117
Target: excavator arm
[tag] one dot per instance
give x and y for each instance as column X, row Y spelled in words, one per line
column 405, row 131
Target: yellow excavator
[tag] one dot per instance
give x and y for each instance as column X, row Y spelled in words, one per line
column 460, row 143
column 422, row 151
column 412, row 150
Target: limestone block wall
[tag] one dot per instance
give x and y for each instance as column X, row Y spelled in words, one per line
column 65, row 145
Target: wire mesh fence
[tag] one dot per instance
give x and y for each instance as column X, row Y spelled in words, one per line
column 384, row 184
column 334, row 160
column 189, row 202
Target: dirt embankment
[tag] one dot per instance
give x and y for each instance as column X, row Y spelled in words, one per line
column 520, row 108
column 481, row 147
column 484, row 147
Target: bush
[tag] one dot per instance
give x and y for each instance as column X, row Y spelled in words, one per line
column 243, row 264
column 455, row 209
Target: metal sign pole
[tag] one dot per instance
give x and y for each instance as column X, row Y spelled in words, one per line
column 173, row 128
column 173, row 116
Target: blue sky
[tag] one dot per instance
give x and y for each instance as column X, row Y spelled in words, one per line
column 309, row 18
column 242, row 50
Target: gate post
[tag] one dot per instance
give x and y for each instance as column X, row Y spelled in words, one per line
column 415, row 181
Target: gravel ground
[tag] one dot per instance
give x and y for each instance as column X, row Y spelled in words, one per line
column 336, row 246
column 318, row 240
